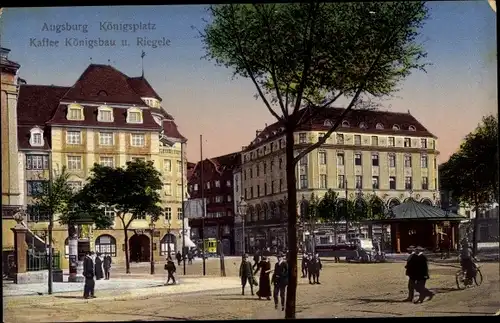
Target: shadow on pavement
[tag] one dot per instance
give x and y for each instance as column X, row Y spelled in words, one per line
column 377, row 300
column 444, row 290
column 69, row 297
column 461, row 313
column 378, row 312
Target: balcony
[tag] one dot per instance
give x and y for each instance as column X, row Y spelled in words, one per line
column 169, row 151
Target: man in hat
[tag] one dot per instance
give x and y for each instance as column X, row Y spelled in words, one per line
column 421, row 275
column 89, row 274
column 410, row 269
column 246, row 274
column 280, row 281
column 305, row 263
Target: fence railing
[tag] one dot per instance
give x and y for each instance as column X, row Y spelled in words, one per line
column 40, row 260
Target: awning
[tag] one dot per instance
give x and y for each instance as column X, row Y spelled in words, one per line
column 187, row 242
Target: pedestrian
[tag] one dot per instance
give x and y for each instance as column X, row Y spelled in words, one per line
column 246, row 274
column 190, row 257
column 107, row 266
column 410, row 270
column 421, row 275
column 264, row 281
column 99, row 269
column 280, row 281
column 256, row 259
column 317, row 268
column 311, row 267
column 304, row 264
column 179, row 258
column 170, row 268
column 88, row 273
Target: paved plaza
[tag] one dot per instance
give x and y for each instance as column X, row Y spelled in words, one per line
column 347, row 290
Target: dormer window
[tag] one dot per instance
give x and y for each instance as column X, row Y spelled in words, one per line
column 412, row 128
column 75, row 112
column 379, row 126
column 105, row 114
column 134, row 115
column 363, row 125
column 36, row 137
column 327, row 123
column 345, row 124
column 396, row 127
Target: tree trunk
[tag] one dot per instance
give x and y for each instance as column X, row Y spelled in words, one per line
column 127, row 255
column 72, row 251
column 291, row 295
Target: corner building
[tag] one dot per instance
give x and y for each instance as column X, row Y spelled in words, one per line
column 107, row 118
column 389, row 156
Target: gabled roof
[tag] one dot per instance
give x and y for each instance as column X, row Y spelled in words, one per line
column 142, row 87
column 103, row 83
column 170, row 130
column 413, row 210
column 220, row 163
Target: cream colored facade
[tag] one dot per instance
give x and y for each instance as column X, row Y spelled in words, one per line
column 329, row 167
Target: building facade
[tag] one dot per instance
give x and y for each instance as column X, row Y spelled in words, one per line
column 386, row 156
column 107, row 118
column 218, row 192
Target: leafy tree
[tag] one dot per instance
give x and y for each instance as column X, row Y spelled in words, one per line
column 131, row 191
column 303, row 57
column 327, row 207
column 471, row 174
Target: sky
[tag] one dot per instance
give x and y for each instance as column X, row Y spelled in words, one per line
column 450, row 99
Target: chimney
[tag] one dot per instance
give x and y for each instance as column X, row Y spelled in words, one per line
column 243, row 147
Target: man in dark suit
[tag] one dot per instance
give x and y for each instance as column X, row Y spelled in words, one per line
column 246, row 274
column 305, row 263
column 317, row 268
column 280, row 281
column 107, row 266
column 410, row 269
column 88, row 273
column 311, row 267
column 421, row 275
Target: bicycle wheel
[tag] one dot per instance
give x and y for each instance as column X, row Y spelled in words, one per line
column 478, row 279
column 460, row 279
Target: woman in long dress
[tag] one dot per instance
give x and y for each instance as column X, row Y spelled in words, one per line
column 264, row 281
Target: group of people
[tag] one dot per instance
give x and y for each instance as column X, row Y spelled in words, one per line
column 179, row 257
column 417, row 270
column 95, row 267
column 279, row 278
column 311, row 266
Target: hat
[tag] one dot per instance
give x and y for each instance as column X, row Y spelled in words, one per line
column 411, row 248
column 245, row 256
column 419, row 248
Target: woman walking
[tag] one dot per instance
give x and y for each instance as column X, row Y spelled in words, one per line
column 264, row 281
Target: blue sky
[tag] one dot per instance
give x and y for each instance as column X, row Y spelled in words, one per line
column 450, row 99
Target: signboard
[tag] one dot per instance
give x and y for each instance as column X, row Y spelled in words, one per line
column 446, row 224
column 194, row 208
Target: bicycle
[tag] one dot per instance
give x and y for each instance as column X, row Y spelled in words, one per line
column 463, row 282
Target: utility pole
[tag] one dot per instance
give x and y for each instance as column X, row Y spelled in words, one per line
column 203, row 207
column 51, row 227
column 184, row 253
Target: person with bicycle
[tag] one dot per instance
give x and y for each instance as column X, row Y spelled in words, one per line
column 466, row 260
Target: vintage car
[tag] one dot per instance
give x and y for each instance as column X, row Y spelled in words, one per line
column 357, row 250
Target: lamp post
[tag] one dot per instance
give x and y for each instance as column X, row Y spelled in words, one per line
column 169, row 224
column 152, row 230
column 242, row 211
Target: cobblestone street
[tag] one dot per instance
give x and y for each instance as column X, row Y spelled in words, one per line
column 347, row 290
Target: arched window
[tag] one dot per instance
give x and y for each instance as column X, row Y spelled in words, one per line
column 327, row 123
column 363, row 125
column 379, row 126
column 345, row 124
column 66, row 248
column 168, row 242
column 395, row 127
column 106, row 244
column 412, row 128
column 36, row 137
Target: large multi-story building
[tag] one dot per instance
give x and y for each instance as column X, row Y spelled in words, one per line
column 218, row 193
column 374, row 154
column 107, row 118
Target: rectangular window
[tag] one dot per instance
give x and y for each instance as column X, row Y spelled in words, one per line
column 375, row 184
column 167, row 165
column 168, row 213
column 392, row 183
column 229, row 198
column 106, row 138
column 341, row 181
column 257, row 170
column 322, row 181
column 340, row 139
column 357, row 140
column 265, row 189
column 137, row 140
column 75, row 185
column 322, row 157
column 36, row 187
column 264, row 168
column 105, row 116
column 37, row 139
column 392, row 160
column 423, row 143
column 251, row 172
column 273, row 187
column 303, row 181
column 408, row 142
column 251, row 192
column 179, row 190
column 375, row 160
column 228, row 183
column 218, row 199
column 357, row 159
column 208, row 185
column 424, row 161
column 246, row 194
column 74, row 137
column 75, row 114
column 258, row 190
column 36, row 162
column 168, row 189
column 392, row 142
column 407, row 160
column 134, row 117
column 280, row 163
column 195, row 187
column 340, row 159
column 106, row 161
column 303, row 161
column 374, row 141
column 281, row 186
column 271, row 166
column 302, row 138
column 217, row 183
column 74, row 162
column 359, row 181
column 179, row 167
column 179, row 214
column 425, row 183
column 408, row 183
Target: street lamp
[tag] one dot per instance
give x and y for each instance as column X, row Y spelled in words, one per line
column 152, row 230
column 242, row 211
column 169, row 251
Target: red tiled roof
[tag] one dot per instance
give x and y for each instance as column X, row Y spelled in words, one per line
column 103, row 83
column 355, row 117
column 170, row 130
column 35, row 105
column 90, row 115
column 220, row 164
column 142, row 87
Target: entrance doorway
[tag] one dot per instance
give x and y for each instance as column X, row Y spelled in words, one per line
column 140, row 248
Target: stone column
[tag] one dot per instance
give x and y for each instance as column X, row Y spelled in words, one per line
column 20, row 248
column 398, row 238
